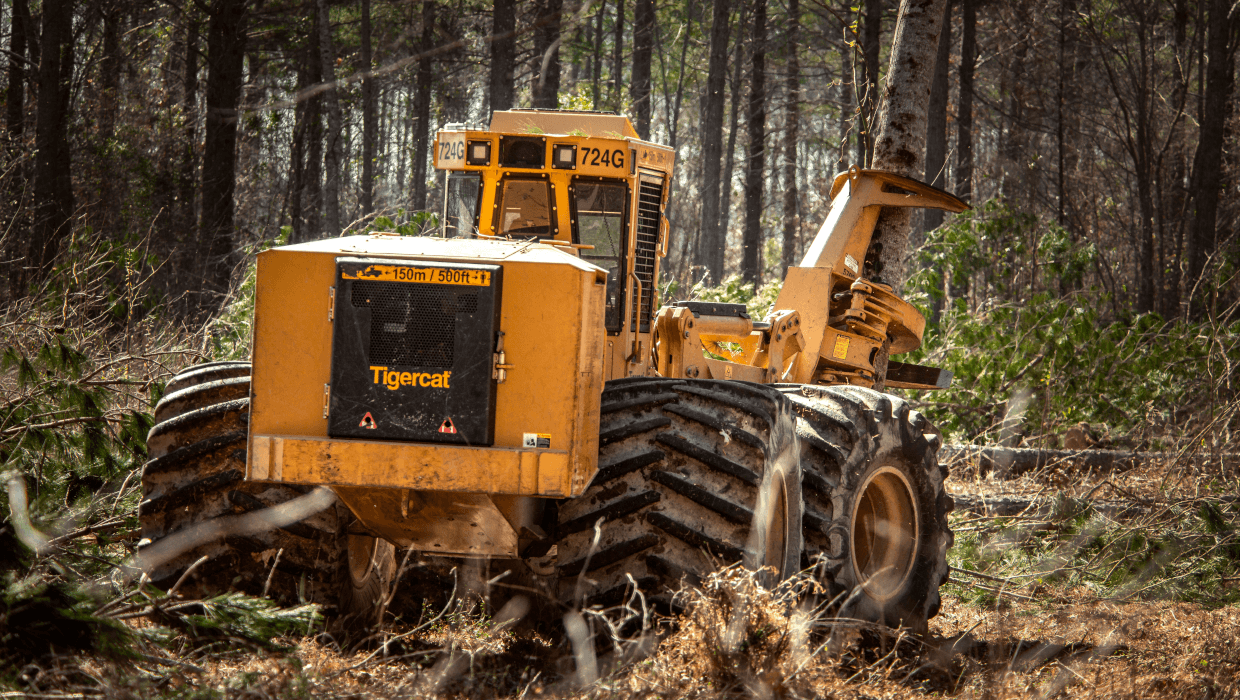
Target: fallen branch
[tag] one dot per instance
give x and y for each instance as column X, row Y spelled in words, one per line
column 1013, row 461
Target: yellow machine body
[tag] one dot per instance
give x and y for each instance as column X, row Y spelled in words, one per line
column 562, row 214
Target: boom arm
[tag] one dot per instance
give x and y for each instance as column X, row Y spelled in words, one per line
column 831, row 326
column 857, row 197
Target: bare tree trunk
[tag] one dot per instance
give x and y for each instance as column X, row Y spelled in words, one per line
column 729, row 161
column 1207, row 162
column 936, row 121
column 963, row 185
column 709, row 253
column 751, row 249
column 110, row 195
column 16, row 92
column 901, row 140
column 225, row 59
column 846, row 109
column 422, row 108
column 673, row 118
column 546, row 88
column 333, row 156
column 617, row 56
column 15, row 222
column 871, row 38
column 596, row 63
column 792, row 135
column 370, row 126
column 643, row 40
column 307, row 149
column 189, row 112
column 503, row 53
column 53, row 184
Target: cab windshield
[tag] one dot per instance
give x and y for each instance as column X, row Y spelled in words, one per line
column 525, row 208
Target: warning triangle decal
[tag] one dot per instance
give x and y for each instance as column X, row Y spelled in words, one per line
column 447, row 426
column 368, row 422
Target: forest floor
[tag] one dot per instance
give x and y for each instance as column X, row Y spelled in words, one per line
column 1054, row 607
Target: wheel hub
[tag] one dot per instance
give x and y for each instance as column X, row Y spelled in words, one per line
column 884, row 533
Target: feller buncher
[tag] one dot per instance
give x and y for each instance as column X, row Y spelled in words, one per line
column 510, row 389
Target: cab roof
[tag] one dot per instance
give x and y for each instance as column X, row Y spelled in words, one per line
column 555, row 121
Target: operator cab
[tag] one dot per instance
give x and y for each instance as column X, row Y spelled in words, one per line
column 583, row 181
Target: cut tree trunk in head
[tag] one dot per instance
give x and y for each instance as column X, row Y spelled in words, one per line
column 901, row 142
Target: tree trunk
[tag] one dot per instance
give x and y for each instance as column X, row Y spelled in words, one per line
column 546, row 88
column 729, row 161
column 189, row 113
column 422, row 108
column 16, row 92
column 370, row 126
column 901, row 136
column 13, row 246
column 596, row 63
column 847, row 111
column 110, row 195
column 792, row 135
column 964, row 113
column 1208, row 160
column 617, row 56
column 709, row 253
column 312, row 180
column 333, row 148
column 936, row 121
column 674, row 117
column 225, row 59
column 871, row 38
column 751, row 251
column 53, row 184
column 503, row 53
column 643, row 40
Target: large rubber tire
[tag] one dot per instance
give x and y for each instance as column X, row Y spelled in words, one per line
column 692, row 474
column 875, row 507
column 195, row 473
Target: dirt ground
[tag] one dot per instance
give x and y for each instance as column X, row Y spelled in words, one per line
column 1032, row 640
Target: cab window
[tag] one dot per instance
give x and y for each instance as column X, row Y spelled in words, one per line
column 460, row 205
column 599, row 220
column 524, row 208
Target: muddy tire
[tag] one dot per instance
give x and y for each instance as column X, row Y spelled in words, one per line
column 692, row 475
column 875, row 522
column 195, row 474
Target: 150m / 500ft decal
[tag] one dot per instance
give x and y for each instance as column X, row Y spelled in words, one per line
column 394, row 380
column 422, row 275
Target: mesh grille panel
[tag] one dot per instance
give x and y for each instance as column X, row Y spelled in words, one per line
column 649, row 201
column 413, row 324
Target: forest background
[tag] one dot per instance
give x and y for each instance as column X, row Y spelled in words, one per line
column 150, row 149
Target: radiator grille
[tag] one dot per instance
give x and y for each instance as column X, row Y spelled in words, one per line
column 649, row 203
column 413, row 325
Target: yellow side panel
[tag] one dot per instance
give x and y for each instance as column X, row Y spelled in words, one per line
column 292, row 343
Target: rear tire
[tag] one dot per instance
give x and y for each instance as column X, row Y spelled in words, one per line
column 195, row 474
column 875, row 507
column 692, row 474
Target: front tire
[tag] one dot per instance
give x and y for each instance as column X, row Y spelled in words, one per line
column 875, row 505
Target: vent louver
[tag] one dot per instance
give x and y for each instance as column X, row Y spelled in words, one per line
column 649, row 205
